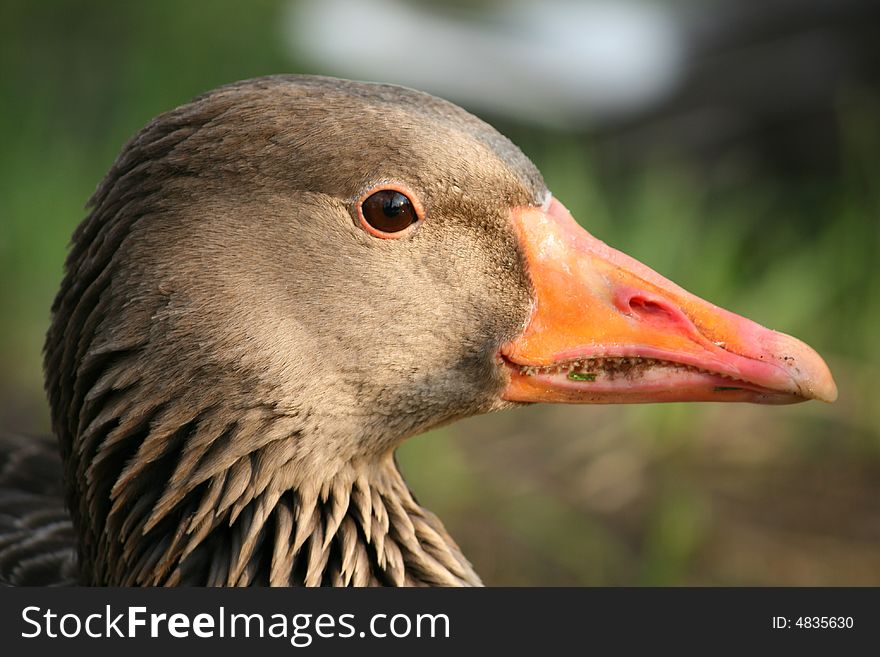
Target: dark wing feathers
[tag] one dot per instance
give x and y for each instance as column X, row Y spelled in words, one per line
column 37, row 542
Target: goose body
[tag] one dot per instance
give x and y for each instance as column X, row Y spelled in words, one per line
column 281, row 281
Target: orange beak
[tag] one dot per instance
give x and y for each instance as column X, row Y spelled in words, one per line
column 607, row 329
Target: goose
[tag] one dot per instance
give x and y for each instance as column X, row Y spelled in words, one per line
column 277, row 284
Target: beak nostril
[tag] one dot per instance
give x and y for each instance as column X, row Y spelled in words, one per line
column 655, row 311
column 647, row 308
column 651, row 309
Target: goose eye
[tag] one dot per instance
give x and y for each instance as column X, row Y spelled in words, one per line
column 387, row 212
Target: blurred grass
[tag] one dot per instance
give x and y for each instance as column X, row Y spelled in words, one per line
column 672, row 494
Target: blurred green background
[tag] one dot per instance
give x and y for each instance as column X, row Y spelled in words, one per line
column 780, row 222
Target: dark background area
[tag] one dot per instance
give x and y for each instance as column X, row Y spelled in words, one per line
column 752, row 179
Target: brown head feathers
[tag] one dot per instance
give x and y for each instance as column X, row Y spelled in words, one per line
column 233, row 360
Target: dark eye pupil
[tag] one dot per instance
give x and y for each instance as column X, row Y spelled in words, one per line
column 388, row 211
column 395, row 204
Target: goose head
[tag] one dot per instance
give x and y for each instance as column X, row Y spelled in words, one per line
column 282, row 280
